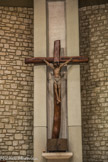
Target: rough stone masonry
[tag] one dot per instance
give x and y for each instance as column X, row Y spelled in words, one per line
column 94, row 82
column 16, row 82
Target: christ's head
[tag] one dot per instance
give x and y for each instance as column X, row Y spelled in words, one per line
column 56, row 64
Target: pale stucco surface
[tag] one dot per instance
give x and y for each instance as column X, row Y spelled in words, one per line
column 73, row 82
column 40, row 131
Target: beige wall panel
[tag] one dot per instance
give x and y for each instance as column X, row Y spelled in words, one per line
column 74, row 98
column 40, row 96
column 75, row 144
column 39, row 28
column 40, row 132
column 73, row 82
column 72, row 25
column 39, row 143
column 56, row 24
column 40, row 71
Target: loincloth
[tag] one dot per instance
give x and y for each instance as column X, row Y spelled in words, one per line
column 57, row 80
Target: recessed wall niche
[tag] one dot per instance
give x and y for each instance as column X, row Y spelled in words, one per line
column 56, row 30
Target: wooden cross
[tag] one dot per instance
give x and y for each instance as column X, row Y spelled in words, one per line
column 56, row 60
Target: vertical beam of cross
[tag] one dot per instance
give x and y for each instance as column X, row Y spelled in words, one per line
column 57, row 107
column 57, row 51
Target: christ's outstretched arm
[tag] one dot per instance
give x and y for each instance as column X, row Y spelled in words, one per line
column 50, row 65
column 65, row 63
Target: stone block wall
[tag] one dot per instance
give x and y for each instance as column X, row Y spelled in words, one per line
column 94, row 82
column 16, row 82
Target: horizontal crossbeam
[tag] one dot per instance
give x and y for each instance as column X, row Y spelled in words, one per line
column 40, row 60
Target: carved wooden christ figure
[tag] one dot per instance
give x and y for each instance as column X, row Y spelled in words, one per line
column 57, row 77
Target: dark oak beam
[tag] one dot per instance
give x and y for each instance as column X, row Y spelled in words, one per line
column 39, row 60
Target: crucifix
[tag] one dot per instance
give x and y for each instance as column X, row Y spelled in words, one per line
column 56, row 63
